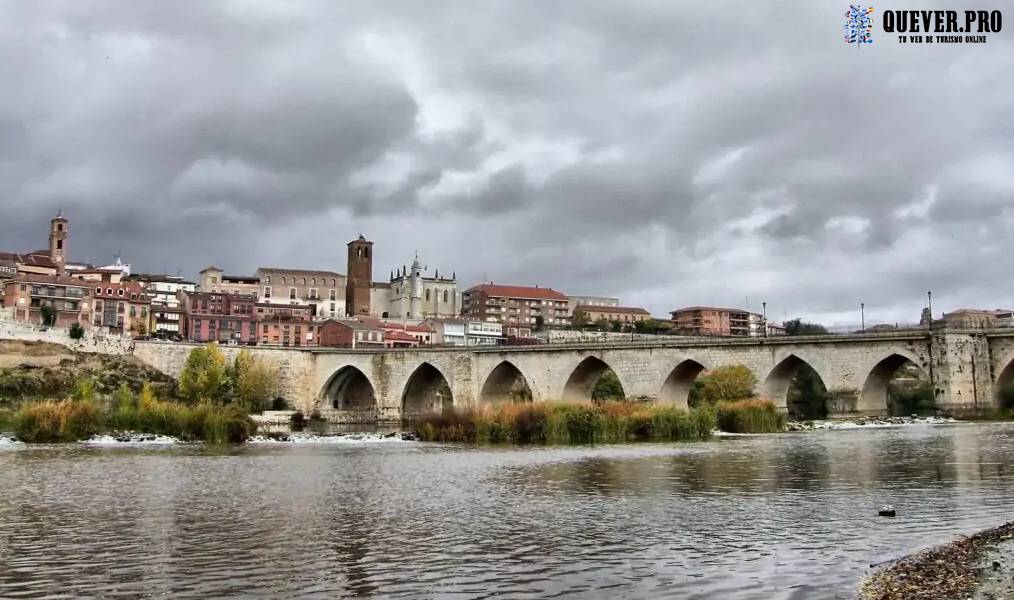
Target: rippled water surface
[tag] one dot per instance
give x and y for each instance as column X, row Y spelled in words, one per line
column 786, row 516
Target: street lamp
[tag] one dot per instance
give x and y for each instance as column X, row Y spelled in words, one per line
column 862, row 315
column 765, row 319
column 929, row 304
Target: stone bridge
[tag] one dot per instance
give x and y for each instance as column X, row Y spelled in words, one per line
column 967, row 369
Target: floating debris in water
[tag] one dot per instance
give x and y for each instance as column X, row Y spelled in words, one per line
column 9, row 441
column 887, row 511
column 333, row 438
column 117, row 438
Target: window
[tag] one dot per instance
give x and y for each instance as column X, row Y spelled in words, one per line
column 265, row 329
column 214, row 279
column 283, row 281
column 119, row 292
column 98, row 291
column 332, row 307
column 267, row 279
column 119, row 307
column 292, row 293
column 302, row 281
column 445, row 295
column 59, row 244
column 313, row 293
column 109, row 291
column 427, row 294
column 333, row 296
column 267, row 291
column 333, row 283
column 313, row 281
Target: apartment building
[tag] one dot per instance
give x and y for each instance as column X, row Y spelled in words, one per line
column 515, row 307
column 322, row 291
column 710, row 320
column 624, row 314
column 26, row 294
column 219, row 317
column 465, row 332
column 121, row 307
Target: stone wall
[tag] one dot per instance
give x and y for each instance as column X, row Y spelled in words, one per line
column 91, row 342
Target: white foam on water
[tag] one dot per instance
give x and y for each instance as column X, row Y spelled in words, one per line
column 131, row 439
column 338, row 438
column 871, row 423
column 9, row 442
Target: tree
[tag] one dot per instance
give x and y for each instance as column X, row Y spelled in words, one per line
column 647, row 326
column 48, row 314
column 807, row 397
column 800, row 327
column 254, row 381
column 616, row 325
column 540, row 322
column 725, row 384
column 76, row 331
column 204, row 375
column 608, row 387
column 579, row 320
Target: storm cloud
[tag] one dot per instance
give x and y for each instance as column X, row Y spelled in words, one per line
column 667, row 153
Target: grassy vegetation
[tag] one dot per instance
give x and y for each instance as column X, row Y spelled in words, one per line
column 749, row 416
column 608, row 422
column 82, row 417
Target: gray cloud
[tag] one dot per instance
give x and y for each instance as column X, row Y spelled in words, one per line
column 724, row 154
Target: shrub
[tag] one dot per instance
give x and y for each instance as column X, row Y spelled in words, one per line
column 65, row 421
column 254, row 381
column 205, row 375
column 76, row 331
column 749, row 416
column 726, row 384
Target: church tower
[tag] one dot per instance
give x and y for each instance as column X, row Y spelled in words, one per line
column 58, row 230
column 416, row 287
column 360, row 277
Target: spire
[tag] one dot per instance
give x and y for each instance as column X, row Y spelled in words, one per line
column 415, row 263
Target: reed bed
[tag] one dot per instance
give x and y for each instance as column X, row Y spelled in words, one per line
column 567, row 423
column 83, row 416
column 749, row 416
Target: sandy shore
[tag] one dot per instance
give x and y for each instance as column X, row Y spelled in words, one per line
column 978, row 567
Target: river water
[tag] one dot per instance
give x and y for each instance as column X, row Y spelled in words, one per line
column 777, row 516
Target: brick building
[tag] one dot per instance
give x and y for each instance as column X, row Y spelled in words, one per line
column 26, row 293
column 625, row 314
column 349, row 333
column 218, row 317
column 710, row 320
column 120, row 307
column 515, row 307
column 285, row 324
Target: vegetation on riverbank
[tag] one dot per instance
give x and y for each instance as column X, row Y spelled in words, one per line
column 210, row 404
column 586, row 423
column 85, row 415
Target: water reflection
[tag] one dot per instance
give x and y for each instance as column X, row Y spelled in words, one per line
column 787, row 516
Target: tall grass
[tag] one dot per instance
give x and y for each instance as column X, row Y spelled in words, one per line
column 567, row 423
column 749, row 416
column 82, row 417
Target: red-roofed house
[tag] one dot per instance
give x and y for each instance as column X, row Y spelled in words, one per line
column 122, row 307
column 515, row 306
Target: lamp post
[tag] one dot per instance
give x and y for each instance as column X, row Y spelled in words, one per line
column 929, row 304
column 765, row 318
column 862, row 316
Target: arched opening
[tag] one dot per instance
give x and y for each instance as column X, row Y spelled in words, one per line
column 505, row 385
column 427, row 391
column 677, row 386
column 778, row 382
column 350, row 389
column 807, row 396
column 897, row 386
column 1005, row 388
column 593, row 379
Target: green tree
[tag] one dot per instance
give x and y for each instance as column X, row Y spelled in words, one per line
column 76, row 331
column 579, row 320
column 807, row 397
column 48, row 314
column 800, row 327
column 724, row 384
column 616, row 325
column 205, row 375
column 608, row 387
column 254, row 381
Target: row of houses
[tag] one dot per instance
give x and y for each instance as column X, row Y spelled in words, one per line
column 300, row 307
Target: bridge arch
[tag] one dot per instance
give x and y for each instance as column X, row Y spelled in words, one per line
column 676, row 387
column 582, row 379
column 426, row 391
column 775, row 386
column 874, row 397
column 349, row 389
column 1004, row 386
column 505, row 384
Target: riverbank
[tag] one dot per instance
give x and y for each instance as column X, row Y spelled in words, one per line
column 978, row 566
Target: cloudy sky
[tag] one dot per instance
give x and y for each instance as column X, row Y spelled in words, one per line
column 669, row 153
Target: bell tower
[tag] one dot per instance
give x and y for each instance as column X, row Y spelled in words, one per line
column 360, row 277
column 58, row 231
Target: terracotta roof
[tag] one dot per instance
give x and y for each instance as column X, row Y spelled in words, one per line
column 612, row 309
column 517, row 291
column 301, row 271
column 129, row 287
column 53, row 279
column 716, row 308
column 397, row 335
column 34, row 259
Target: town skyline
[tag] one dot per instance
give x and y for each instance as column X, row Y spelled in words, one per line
column 625, row 155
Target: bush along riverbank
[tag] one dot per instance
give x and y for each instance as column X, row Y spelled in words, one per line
column 581, row 423
column 84, row 415
column 211, row 403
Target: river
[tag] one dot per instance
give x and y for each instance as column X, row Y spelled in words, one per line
column 774, row 516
